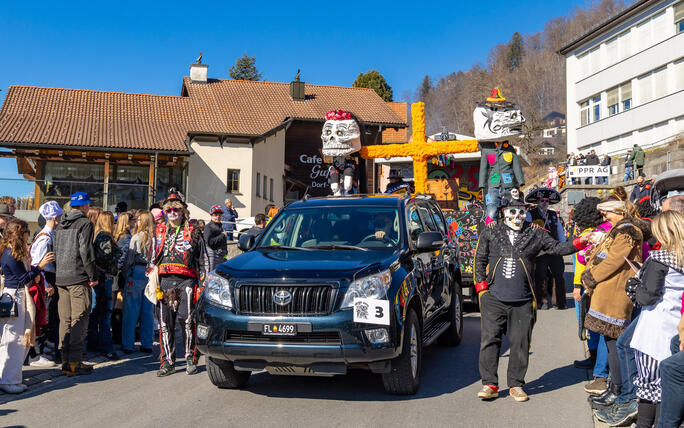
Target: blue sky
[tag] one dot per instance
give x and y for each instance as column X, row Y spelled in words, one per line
column 146, row 47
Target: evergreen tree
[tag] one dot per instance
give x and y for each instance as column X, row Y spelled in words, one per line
column 425, row 89
column 245, row 69
column 516, row 50
column 375, row 81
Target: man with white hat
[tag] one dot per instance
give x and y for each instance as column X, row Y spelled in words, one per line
column 41, row 246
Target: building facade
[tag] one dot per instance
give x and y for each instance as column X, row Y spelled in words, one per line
column 625, row 80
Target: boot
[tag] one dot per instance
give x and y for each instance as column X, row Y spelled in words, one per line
column 605, row 400
column 589, row 363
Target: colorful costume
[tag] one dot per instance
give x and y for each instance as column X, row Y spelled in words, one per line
column 341, row 137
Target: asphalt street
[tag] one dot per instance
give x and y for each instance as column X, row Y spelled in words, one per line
column 129, row 393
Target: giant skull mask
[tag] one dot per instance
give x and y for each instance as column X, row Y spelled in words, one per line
column 341, row 136
column 514, row 217
column 496, row 119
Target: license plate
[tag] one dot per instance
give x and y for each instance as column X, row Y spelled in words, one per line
column 279, row 329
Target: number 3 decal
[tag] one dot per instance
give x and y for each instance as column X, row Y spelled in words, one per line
column 378, row 312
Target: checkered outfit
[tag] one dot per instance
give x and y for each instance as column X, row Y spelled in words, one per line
column 647, row 382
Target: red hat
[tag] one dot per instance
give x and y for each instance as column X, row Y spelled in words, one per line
column 215, row 209
column 338, row 115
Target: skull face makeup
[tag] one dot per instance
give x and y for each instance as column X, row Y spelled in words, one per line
column 515, row 193
column 341, row 137
column 514, row 217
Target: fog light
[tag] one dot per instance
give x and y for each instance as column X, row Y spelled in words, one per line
column 377, row 335
column 202, row 331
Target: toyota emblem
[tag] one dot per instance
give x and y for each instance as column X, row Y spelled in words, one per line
column 282, row 297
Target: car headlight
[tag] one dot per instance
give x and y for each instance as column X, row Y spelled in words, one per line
column 217, row 290
column 373, row 286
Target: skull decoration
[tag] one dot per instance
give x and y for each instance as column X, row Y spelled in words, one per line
column 496, row 119
column 514, row 217
column 341, row 135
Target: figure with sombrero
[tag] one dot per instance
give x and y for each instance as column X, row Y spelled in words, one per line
column 496, row 122
column 181, row 259
column 550, row 221
column 503, row 272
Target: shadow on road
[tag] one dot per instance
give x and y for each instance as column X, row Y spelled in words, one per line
column 555, row 379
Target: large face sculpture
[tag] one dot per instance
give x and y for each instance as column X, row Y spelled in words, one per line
column 514, row 217
column 497, row 121
column 341, row 135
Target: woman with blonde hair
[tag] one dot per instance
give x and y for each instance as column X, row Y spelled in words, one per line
column 135, row 305
column 107, row 254
column 17, row 332
column 660, row 295
column 93, row 215
column 122, row 237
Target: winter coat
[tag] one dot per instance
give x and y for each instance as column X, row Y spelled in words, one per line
column 214, row 237
column 500, row 167
column 228, row 219
column 640, row 192
column 606, row 274
column 73, row 248
column 638, row 156
column 592, row 159
column 661, row 298
column 511, row 266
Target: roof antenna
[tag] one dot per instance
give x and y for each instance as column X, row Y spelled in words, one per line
column 306, row 194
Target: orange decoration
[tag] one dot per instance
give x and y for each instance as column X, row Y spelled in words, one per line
column 419, row 148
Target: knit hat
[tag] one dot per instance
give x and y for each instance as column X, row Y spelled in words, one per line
column 50, row 210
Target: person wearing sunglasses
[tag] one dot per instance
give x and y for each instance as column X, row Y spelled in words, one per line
column 181, row 258
column 549, row 220
column 504, row 272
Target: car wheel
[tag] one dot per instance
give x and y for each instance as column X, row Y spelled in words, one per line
column 453, row 335
column 404, row 375
column 223, row 374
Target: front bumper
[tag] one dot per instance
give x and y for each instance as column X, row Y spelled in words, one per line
column 353, row 347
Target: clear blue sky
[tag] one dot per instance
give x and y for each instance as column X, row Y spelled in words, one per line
column 142, row 47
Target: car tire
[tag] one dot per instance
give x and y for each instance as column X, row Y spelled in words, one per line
column 223, row 374
column 404, row 375
column 453, row 335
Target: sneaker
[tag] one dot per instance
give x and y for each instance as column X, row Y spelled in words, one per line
column 488, row 392
column 112, row 356
column 40, row 361
column 621, row 413
column 77, row 369
column 597, row 386
column 166, row 369
column 13, row 389
column 191, row 368
column 518, row 393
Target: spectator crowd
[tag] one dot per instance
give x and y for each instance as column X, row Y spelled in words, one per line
column 634, row 163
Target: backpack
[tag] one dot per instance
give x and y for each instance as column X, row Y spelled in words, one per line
column 107, row 254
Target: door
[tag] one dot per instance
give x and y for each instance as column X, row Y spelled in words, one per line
column 435, row 261
column 421, row 261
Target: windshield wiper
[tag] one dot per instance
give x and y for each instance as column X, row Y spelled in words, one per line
column 282, row 247
column 338, row 247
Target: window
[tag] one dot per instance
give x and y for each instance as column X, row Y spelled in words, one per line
column 644, row 89
column 595, row 60
column 590, row 110
column 265, row 184
column 233, row 181
column 612, row 51
column 258, row 184
column 679, row 74
column 584, row 113
column 660, row 27
column 625, row 44
column 679, row 17
column 271, row 190
column 626, row 95
column 643, row 35
column 612, row 101
column 660, row 82
column 596, row 102
column 584, row 64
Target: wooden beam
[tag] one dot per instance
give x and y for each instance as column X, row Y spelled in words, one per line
column 105, row 196
column 36, row 191
column 150, row 183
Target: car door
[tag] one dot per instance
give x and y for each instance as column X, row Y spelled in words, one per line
column 449, row 251
column 421, row 261
column 436, row 266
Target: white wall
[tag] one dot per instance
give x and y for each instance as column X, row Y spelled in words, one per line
column 269, row 161
column 208, row 174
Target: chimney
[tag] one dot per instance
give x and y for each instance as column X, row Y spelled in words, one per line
column 198, row 71
column 297, row 89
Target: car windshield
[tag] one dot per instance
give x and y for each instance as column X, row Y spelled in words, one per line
column 335, row 228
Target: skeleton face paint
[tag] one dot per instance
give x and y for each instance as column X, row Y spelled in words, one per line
column 341, row 137
column 515, row 193
column 514, row 217
column 173, row 215
column 497, row 121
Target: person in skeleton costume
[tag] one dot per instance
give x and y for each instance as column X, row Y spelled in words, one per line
column 341, row 137
column 550, row 221
column 180, row 256
column 496, row 123
column 503, row 272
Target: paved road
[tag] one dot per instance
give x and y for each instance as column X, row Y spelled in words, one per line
column 129, row 394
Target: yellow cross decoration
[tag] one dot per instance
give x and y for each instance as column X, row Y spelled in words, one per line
column 419, row 148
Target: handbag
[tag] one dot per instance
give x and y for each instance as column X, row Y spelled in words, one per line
column 152, row 284
column 8, row 306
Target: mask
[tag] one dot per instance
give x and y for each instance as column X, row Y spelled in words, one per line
column 172, row 216
column 515, row 193
column 514, row 217
column 497, row 121
column 341, row 137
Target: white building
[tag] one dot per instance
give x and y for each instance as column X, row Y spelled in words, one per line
column 625, row 80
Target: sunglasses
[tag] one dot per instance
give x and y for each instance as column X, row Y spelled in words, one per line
column 173, row 210
column 544, row 200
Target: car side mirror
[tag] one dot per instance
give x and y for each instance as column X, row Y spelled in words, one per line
column 429, row 241
column 246, row 242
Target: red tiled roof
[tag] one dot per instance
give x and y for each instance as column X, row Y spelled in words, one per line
column 399, row 135
column 116, row 120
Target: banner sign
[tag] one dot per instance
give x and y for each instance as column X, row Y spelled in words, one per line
column 588, row 171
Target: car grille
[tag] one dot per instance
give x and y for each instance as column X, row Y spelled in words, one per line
column 319, row 338
column 306, row 300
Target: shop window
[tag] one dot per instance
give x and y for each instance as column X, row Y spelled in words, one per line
column 258, row 184
column 130, row 184
column 168, row 177
column 61, row 179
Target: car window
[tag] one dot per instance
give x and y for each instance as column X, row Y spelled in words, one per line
column 438, row 219
column 415, row 226
column 429, row 221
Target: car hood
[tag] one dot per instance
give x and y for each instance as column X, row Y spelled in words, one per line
column 336, row 264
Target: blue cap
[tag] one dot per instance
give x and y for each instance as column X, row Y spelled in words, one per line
column 79, row 198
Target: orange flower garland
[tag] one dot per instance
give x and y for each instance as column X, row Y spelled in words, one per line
column 419, row 149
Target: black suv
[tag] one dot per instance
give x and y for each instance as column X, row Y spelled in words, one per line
column 331, row 282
